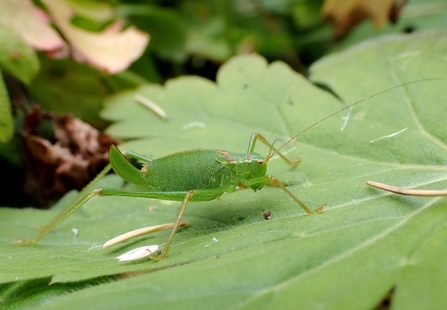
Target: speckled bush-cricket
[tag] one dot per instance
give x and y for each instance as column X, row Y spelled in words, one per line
column 193, row 176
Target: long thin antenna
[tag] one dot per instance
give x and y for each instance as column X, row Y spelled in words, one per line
column 353, row 104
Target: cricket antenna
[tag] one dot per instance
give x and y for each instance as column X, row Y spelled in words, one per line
column 349, row 106
column 271, row 152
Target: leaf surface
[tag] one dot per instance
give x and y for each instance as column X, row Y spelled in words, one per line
column 16, row 57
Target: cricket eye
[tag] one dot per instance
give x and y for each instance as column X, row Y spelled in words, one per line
column 260, row 162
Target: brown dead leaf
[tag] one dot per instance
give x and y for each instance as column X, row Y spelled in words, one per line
column 78, row 154
column 348, row 13
column 111, row 50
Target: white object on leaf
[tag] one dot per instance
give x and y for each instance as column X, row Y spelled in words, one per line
column 138, row 253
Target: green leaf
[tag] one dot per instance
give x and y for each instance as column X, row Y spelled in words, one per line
column 6, row 121
column 16, row 56
column 167, row 33
column 64, row 86
column 363, row 245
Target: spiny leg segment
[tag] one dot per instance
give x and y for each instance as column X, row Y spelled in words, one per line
column 75, row 204
column 251, row 146
column 271, row 179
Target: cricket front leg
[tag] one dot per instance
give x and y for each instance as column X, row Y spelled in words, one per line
column 280, row 185
column 251, row 146
column 272, row 179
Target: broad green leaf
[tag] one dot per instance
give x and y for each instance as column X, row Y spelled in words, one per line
column 168, row 35
column 65, row 86
column 363, row 245
column 16, row 57
column 6, row 121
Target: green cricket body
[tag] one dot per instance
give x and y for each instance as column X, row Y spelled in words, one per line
column 204, row 169
column 194, row 170
column 195, row 175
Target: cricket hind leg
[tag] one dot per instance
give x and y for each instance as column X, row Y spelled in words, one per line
column 256, row 136
column 85, row 194
column 185, row 196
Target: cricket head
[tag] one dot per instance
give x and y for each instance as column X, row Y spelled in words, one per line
column 258, row 169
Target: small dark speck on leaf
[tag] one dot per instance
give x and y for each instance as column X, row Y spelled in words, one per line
column 267, row 215
column 409, row 29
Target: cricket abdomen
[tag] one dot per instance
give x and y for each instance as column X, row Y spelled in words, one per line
column 195, row 169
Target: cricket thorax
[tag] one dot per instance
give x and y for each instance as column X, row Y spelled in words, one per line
column 245, row 166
